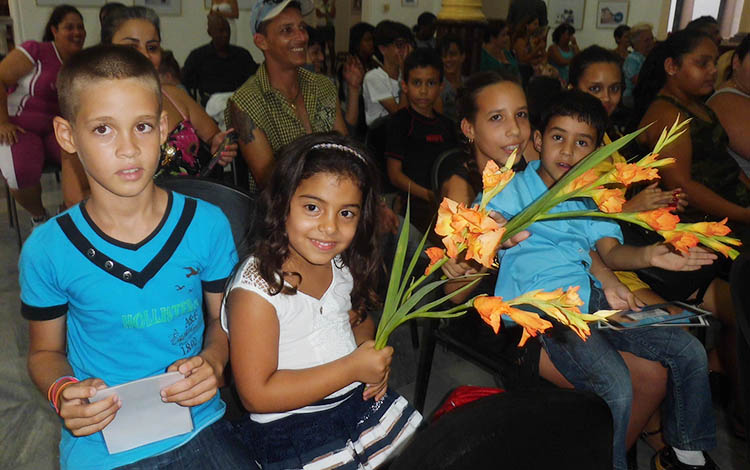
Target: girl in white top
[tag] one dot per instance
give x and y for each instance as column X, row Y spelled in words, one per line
column 300, row 339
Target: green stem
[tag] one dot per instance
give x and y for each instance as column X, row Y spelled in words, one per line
column 382, row 340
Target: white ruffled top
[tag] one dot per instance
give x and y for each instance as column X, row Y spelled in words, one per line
column 312, row 331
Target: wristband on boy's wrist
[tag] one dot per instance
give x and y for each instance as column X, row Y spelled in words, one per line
column 55, row 390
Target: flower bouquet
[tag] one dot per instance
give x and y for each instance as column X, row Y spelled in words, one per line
column 473, row 231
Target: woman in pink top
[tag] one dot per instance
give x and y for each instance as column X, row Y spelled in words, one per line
column 28, row 102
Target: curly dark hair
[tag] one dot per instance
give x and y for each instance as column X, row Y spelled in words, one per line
column 296, row 162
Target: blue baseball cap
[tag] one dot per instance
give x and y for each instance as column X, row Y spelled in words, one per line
column 265, row 10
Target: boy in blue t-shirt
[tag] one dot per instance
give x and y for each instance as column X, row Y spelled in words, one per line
column 114, row 287
column 570, row 252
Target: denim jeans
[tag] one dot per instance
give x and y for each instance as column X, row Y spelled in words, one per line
column 595, row 365
column 215, row 447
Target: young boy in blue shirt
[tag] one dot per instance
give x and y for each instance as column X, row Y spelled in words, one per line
column 570, row 252
column 114, row 287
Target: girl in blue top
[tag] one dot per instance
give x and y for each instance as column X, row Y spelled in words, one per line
column 301, row 341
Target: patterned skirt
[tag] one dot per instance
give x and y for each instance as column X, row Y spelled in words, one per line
column 356, row 435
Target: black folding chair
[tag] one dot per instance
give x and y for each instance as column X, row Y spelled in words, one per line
column 238, row 205
column 375, row 140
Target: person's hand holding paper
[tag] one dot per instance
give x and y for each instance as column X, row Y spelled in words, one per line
column 199, row 384
column 82, row 417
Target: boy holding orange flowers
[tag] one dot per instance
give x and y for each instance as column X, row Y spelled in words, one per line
column 568, row 252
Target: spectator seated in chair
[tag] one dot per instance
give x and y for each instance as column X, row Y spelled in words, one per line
column 218, row 66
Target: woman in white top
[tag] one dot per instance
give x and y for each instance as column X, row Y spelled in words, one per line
column 731, row 103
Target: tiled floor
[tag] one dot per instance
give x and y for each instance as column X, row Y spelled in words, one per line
column 29, row 430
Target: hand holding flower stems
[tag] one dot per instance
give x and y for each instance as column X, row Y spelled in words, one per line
column 471, row 229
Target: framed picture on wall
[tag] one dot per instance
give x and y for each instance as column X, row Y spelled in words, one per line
column 162, row 7
column 409, row 3
column 611, row 14
column 566, row 11
column 241, row 4
column 75, row 3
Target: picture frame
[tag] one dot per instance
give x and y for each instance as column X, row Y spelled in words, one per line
column 75, row 3
column 162, row 7
column 241, row 4
column 566, row 11
column 611, row 14
column 409, row 3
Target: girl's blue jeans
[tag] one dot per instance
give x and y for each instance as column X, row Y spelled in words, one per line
column 595, row 365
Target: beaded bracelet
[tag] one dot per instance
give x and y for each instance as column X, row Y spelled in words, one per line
column 54, row 391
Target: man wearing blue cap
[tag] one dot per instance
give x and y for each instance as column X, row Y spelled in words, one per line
column 282, row 101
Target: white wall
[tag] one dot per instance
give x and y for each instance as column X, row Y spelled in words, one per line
column 640, row 11
column 181, row 34
column 375, row 11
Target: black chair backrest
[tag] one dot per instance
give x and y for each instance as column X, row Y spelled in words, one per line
column 375, row 141
column 239, row 207
column 435, row 171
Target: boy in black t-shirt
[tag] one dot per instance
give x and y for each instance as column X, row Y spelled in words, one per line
column 417, row 134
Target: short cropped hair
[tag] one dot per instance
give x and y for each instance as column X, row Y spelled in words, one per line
column 620, row 31
column 101, row 62
column 579, row 105
column 423, row 57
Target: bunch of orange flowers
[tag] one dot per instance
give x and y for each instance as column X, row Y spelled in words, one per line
column 472, row 230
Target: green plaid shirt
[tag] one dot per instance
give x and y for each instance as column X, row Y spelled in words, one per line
column 272, row 113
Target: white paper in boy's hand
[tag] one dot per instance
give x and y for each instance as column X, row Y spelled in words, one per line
column 143, row 417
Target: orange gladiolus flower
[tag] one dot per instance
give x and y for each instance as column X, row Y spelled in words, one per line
column 682, row 241
column 470, row 228
column 710, row 229
column 659, row 219
column 531, row 323
column 484, row 247
column 445, row 214
column 609, row 200
column 435, row 254
column 582, row 181
column 492, row 308
column 629, row 173
column 493, row 175
column 571, row 297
